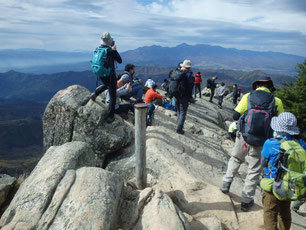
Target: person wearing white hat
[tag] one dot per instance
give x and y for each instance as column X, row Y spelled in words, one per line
column 186, row 66
column 277, row 212
column 109, row 82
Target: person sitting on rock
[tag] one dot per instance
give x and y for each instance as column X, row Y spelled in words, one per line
column 165, row 86
column 121, row 108
column 127, row 77
column 262, row 101
column 152, row 98
column 232, row 130
column 149, row 83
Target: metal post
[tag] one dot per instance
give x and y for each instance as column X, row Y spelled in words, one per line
column 140, row 145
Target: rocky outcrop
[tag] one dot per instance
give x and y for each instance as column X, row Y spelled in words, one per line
column 6, row 184
column 151, row 209
column 71, row 116
column 64, row 191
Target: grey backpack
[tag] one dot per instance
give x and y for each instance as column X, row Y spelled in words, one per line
column 254, row 124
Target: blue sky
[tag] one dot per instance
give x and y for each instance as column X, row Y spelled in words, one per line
column 262, row 25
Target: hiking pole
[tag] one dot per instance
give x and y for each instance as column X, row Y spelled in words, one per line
column 140, row 144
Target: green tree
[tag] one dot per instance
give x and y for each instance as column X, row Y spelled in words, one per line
column 293, row 96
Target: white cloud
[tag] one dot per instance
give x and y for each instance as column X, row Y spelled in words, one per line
column 77, row 25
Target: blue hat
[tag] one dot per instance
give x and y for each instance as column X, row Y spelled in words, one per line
column 263, row 79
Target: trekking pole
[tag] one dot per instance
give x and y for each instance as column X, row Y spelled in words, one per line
column 140, row 144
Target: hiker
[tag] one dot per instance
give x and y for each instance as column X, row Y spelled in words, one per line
column 137, row 88
column 277, row 213
column 165, row 86
column 256, row 107
column 211, row 84
column 149, row 83
column 121, row 108
column 197, row 84
column 108, row 80
column 232, row 130
column 151, row 98
column 190, row 78
column 220, row 92
column 179, row 89
column 236, row 94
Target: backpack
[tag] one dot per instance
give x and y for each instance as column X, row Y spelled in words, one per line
column 208, row 82
column 100, row 63
column 254, row 124
column 239, row 92
column 290, row 179
column 176, row 84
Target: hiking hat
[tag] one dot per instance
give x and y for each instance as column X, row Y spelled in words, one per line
column 263, row 79
column 186, row 64
column 107, row 38
column 285, row 123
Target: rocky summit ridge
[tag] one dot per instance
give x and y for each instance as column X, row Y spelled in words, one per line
column 68, row 189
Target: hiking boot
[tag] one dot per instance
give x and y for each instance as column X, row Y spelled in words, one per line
column 180, row 131
column 246, row 206
column 225, row 187
column 93, row 96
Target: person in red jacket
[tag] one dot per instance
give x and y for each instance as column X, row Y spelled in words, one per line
column 152, row 97
column 197, row 84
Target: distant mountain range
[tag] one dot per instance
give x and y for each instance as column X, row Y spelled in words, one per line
column 202, row 57
column 41, row 88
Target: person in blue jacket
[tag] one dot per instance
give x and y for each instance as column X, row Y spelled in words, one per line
column 277, row 212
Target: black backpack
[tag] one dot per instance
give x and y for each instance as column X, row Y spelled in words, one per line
column 208, row 82
column 254, row 124
column 176, row 83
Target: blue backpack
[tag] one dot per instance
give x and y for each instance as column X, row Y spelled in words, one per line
column 100, row 63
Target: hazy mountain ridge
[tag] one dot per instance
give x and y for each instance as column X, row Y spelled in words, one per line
column 202, row 56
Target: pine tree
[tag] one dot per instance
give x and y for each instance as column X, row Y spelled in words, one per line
column 293, row 96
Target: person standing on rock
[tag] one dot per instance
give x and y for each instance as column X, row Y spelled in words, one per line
column 110, row 81
column 235, row 94
column 221, row 91
column 197, row 84
column 179, row 88
column 211, row 84
column 253, row 112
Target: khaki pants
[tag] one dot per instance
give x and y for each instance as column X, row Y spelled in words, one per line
column 240, row 151
column 275, row 209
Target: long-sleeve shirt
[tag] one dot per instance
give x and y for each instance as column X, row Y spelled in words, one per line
column 151, row 95
column 221, row 90
column 149, row 83
column 114, row 56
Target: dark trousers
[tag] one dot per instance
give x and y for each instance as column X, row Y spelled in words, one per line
column 125, row 108
column 197, row 87
column 212, row 93
column 182, row 106
column 235, row 100
column 220, row 100
column 277, row 213
column 109, row 83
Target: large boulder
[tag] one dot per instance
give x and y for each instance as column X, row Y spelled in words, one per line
column 64, row 191
column 71, row 116
column 148, row 208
